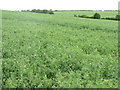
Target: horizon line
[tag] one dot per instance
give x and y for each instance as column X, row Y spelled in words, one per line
column 67, row 9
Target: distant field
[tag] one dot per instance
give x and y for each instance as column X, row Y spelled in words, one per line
column 59, row 51
column 89, row 13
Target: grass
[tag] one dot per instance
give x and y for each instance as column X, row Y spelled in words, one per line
column 58, row 51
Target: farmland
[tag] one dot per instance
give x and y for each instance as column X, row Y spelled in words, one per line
column 59, row 51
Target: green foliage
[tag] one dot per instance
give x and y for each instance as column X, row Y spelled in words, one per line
column 84, row 16
column 78, row 15
column 51, row 12
column 97, row 16
column 45, row 11
column 39, row 11
column 110, row 18
column 118, row 17
column 75, row 15
column 58, row 51
column 33, row 10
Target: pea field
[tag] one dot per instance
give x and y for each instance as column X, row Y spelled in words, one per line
column 59, row 51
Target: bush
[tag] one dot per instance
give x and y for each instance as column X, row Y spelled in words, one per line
column 79, row 16
column 109, row 18
column 84, row 16
column 51, row 12
column 118, row 17
column 90, row 17
column 75, row 15
column 96, row 16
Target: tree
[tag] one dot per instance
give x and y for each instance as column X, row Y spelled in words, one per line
column 44, row 11
column 96, row 16
column 50, row 11
column 33, row 10
column 118, row 17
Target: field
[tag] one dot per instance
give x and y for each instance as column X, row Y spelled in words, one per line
column 89, row 13
column 59, row 51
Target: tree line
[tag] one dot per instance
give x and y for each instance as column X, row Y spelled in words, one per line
column 39, row 11
column 98, row 16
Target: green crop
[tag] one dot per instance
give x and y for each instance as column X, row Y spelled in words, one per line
column 58, row 51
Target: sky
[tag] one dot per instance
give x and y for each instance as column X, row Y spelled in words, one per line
column 59, row 4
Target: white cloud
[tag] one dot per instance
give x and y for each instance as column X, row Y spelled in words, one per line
column 59, row 4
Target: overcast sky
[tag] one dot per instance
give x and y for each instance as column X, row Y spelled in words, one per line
column 59, row 4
